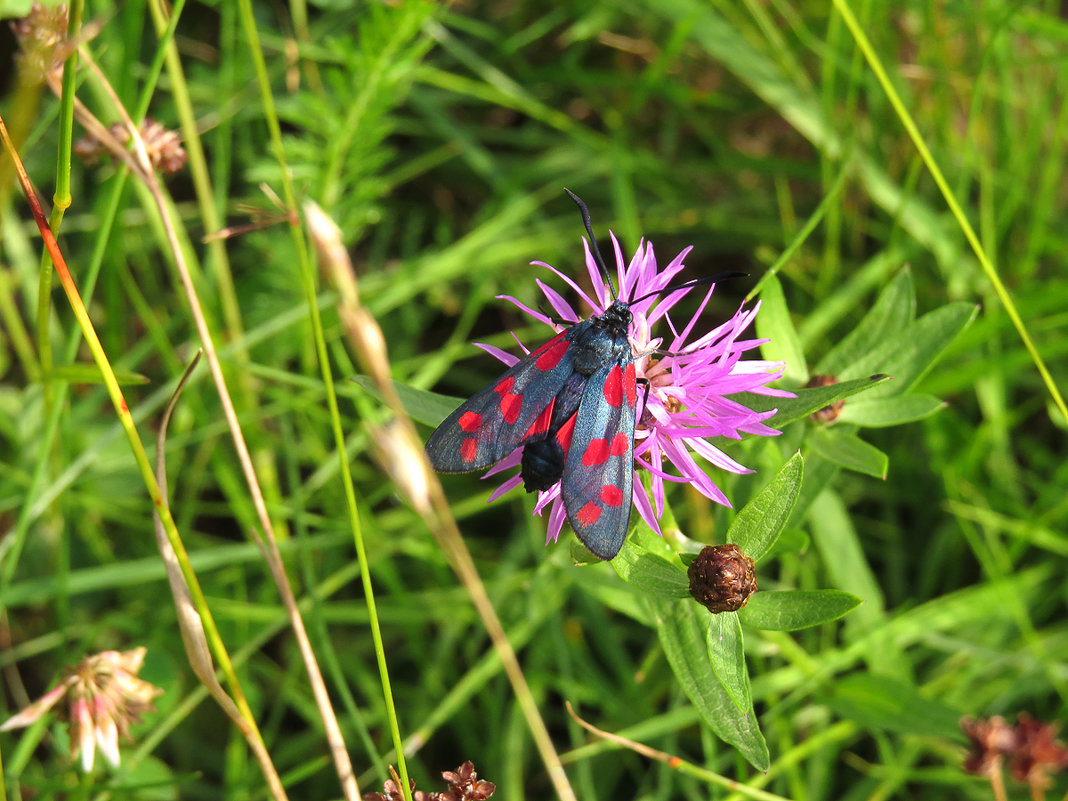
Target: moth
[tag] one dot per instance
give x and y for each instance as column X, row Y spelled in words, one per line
column 571, row 406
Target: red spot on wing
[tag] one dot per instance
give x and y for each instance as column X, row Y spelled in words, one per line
column 611, row 496
column 597, row 452
column 551, row 357
column 630, row 385
column 505, row 386
column 470, row 421
column 469, row 449
column 510, row 406
column 588, row 514
column 567, row 430
column 620, row 444
column 613, row 387
column 541, row 425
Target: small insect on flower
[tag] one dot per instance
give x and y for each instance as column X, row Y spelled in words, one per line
column 105, row 697
column 567, row 413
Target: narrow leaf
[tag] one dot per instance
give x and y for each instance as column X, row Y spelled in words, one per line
column 914, row 349
column 426, row 407
column 90, row 374
column 883, row 412
column 790, row 610
column 894, row 309
column 807, row 400
column 774, row 324
column 651, row 572
column 883, row 702
column 683, row 639
column 725, row 652
column 758, row 525
column 849, row 451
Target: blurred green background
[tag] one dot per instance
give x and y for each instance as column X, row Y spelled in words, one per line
column 439, row 137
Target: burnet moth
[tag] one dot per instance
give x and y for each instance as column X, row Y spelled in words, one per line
column 571, row 405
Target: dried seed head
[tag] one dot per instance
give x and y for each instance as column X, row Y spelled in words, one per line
column 990, row 740
column 464, row 785
column 405, row 463
column 40, row 34
column 392, row 791
column 828, row 414
column 1038, row 753
column 162, row 146
column 722, row 578
column 1031, row 747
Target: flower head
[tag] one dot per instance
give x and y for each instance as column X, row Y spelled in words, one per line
column 722, row 578
column 690, row 378
column 105, row 697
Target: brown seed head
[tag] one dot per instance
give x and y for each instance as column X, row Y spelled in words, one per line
column 722, row 578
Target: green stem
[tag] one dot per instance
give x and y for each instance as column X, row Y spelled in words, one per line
column 308, row 282
column 61, row 201
column 111, row 383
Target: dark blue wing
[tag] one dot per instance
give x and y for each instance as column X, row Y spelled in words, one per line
column 599, row 471
column 517, row 406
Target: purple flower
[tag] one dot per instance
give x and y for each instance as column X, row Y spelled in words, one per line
column 687, row 402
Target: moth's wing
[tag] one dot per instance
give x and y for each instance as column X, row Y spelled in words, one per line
column 515, row 407
column 599, row 470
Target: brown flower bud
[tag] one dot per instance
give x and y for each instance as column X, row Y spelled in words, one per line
column 722, row 578
column 828, row 414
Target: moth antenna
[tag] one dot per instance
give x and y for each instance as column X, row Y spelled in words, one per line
column 715, row 279
column 593, row 240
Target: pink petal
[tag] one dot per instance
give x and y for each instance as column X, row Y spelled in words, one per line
column 34, row 711
column 501, row 355
column 597, row 308
column 556, row 300
column 507, row 486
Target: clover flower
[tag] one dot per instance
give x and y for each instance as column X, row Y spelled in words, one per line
column 690, row 379
column 105, row 697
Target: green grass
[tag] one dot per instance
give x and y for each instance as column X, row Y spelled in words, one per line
column 439, row 139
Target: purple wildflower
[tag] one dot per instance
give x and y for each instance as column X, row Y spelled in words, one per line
column 687, row 400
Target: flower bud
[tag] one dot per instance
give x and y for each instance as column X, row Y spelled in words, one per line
column 722, row 578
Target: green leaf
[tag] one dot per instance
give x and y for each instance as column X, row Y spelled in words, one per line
column 883, row 702
column 894, row 309
column 758, row 525
column 682, row 635
column 90, row 374
column 807, row 400
column 426, row 407
column 849, row 451
column 651, row 572
column 894, row 411
column 913, row 350
column 844, row 559
column 774, row 324
column 790, row 610
column 791, row 540
column 724, row 640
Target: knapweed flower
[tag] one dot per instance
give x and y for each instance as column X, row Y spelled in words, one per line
column 105, row 698
column 690, row 378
